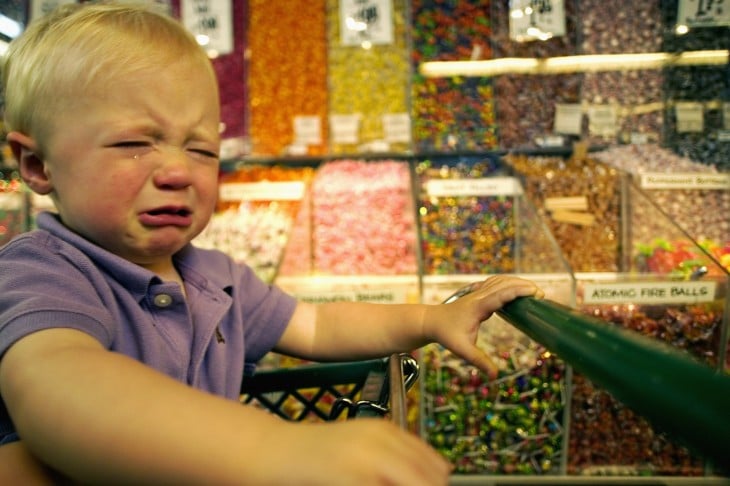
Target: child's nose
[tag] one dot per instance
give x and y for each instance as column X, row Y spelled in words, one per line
column 173, row 171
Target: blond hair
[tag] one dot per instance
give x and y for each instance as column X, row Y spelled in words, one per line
column 79, row 47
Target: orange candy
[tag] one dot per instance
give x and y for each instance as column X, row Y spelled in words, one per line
column 287, row 72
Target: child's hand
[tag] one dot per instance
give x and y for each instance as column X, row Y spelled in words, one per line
column 456, row 325
column 360, row 451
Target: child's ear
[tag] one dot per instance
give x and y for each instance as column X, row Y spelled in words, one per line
column 30, row 162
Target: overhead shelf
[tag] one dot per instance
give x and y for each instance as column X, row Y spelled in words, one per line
column 573, row 64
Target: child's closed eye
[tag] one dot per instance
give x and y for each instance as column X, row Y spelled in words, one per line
column 132, row 148
column 207, row 153
column 131, row 143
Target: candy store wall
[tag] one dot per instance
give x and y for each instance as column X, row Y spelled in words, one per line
column 296, row 84
column 358, row 86
column 634, row 28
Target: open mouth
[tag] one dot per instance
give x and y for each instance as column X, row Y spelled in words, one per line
column 170, row 211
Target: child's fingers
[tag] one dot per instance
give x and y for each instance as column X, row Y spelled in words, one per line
column 480, row 359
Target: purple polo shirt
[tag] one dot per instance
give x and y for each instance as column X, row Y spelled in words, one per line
column 52, row 277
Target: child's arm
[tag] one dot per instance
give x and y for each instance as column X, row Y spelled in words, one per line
column 101, row 417
column 19, row 466
column 347, row 330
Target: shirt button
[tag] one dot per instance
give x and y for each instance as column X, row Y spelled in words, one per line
column 162, row 300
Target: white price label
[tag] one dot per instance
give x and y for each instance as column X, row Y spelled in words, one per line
column 603, row 120
column 649, row 293
column 638, row 138
column 550, row 141
column 486, row 186
column 211, row 22
column 536, row 19
column 262, row 191
column 703, row 13
column 690, row 116
column 345, row 128
column 568, row 119
column 397, row 296
column 307, row 130
column 397, row 127
column 11, row 201
column 366, row 21
column 677, row 180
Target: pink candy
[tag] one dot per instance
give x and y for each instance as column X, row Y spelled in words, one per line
column 363, row 220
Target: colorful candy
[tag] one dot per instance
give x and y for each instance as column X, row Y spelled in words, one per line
column 592, row 245
column 512, row 425
column 469, row 234
column 451, row 114
column 608, row 436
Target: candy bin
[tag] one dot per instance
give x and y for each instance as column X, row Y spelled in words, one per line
column 524, row 104
column 357, row 234
column 363, row 218
column 256, row 209
column 454, row 113
column 676, row 184
column 468, row 233
column 368, row 77
column 671, row 290
column 13, row 205
column 355, row 240
column 637, row 95
column 694, row 95
column 475, row 221
column 287, row 77
column 580, row 200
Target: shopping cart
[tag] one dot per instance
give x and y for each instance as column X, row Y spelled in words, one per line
column 330, row 391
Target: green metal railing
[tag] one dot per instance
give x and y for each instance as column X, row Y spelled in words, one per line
column 676, row 393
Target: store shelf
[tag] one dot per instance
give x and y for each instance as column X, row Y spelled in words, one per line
column 574, row 64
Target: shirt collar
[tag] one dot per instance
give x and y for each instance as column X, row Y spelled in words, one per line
column 192, row 264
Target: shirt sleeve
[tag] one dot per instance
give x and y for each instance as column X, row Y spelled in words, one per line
column 267, row 310
column 40, row 288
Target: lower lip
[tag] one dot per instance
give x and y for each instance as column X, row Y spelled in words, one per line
column 148, row 219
